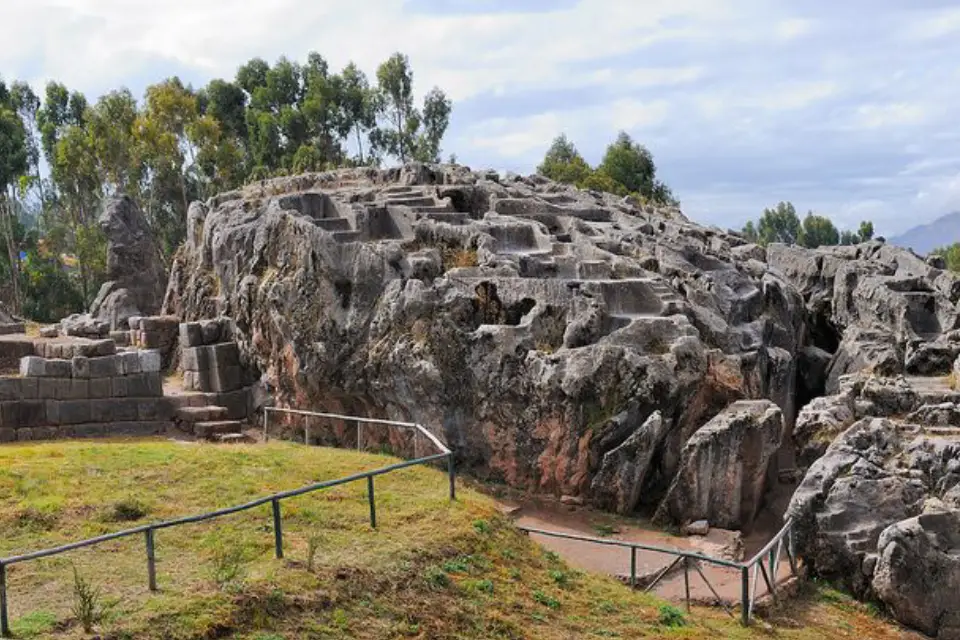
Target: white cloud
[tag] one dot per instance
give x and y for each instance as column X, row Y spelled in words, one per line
column 938, row 25
column 875, row 116
column 793, row 28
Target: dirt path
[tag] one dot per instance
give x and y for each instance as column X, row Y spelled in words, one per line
column 616, row 561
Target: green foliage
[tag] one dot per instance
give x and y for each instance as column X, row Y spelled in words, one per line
column 87, row 602
column 670, row 616
column 228, row 566
column 950, row 255
column 181, row 144
column 34, row 624
column 546, row 599
column 781, row 224
column 627, row 168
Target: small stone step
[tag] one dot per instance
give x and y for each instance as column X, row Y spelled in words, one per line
column 398, row 189
column 210, row 430
column 193, row 415
column 345, row 237
column 414, row 201
column 233, row 438
column 439, row 208
column 449, row 217
column 332, row 224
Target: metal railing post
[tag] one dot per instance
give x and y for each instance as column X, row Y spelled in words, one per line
column 745, row 596
column 686, row 580
column 4, row 621
column 151, row 561
column 453, row 476
column 277, row 528
column 266, row 413
column 373, row 502
column 633, row 567
column 359, row 435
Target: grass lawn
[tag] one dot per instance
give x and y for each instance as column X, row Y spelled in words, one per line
column 432, row 568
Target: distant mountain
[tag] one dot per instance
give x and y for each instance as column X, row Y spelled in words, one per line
column 943, row 231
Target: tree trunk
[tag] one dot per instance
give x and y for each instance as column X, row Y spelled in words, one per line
column 360, row 145
column 6, row 210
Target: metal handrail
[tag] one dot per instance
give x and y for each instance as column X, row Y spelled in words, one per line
column 770, row 553
column 274, row 500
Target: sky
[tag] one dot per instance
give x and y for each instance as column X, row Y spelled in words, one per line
column 845, row 108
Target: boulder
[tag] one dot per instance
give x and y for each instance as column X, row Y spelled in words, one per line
column 917, row 572
column 723, row 467
column 136, row 276
column 618, row 484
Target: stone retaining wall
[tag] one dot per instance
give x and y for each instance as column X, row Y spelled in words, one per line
column 118, row 394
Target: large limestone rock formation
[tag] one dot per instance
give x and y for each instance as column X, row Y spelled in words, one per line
column 136, row 277
column 723, row 467
column 536, row 326
column 879, row 510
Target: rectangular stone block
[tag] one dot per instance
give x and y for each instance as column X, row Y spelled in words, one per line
column 196, row 380
column 11, row 389
column 8, row 435
column 104, row 367
column 138, row 385
column 33, row 367
column 78, row 389
column 86, row 431
column 46, row 433
column 191, row 335
column 113, row 410
column 29, row 388
column 135, row 429
column 118, row 387
column 10, row 414
column 211, row 330
column 236, row 403
column 225, row 379
column 100, row 387
column 149, row 361
column 154, row 409
column 24, row 434
column 195, row 359
column 53, row 388
column 53, row 412
column 95, row 348
column 33, row 413
column 58, row 369
column 154, row 384
column 129, row 363
column 134, row 323
column 225, row 354
column 74, row 411
column 161, row 324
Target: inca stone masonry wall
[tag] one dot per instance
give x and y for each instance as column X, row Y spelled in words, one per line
column 117, row 394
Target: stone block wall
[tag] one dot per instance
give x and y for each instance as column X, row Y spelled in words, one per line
column 156, row 332
column 209, row 358
column 117, row 394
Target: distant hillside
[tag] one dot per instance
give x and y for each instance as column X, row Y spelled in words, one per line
column 943, row 231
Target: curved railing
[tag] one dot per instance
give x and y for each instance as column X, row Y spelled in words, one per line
column 763, row 564
column 148, row 531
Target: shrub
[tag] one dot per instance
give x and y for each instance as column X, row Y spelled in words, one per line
column 670, row 616
column 546, row 600
column 87, row 607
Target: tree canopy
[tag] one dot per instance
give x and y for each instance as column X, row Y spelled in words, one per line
column 177, row 144
column 782, row 224
column 627, row 168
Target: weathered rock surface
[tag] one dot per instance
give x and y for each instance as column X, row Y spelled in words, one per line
column 136, row 276
column 918, row 572
column 538, row 327
column 723, row 467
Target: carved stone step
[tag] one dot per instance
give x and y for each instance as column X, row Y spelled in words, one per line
column 209, row 430
column 193, row 415
column 332, row 224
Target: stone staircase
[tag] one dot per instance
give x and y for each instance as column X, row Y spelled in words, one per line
column 209, row 423
column 424, row 206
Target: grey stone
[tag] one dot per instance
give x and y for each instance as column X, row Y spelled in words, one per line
column 917, row 573
column 88, row 430
column 697, row 528
column 196, row 359
column 74, row 412
column 52, row 408
column 49, row 332
column 723, row 467
column 32, row 366
column 211, row 331
column 101, row 387
column 225, row 379
column 58, row 369
column 129, row 363
column 11, row 389
column 191, row 335
column 150, row 361
column 119, row 387
column 10, row 415
column 32, row 413
column 7, row 434
column 53, row 388
column 619, row 482
column 113, row 410
column 29, row 388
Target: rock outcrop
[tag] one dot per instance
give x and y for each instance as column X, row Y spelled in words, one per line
column 538, row 327
column 879, row 510
column 136, row 276
column 723, row 467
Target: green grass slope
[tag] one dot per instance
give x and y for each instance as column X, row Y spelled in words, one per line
column 432, row 568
